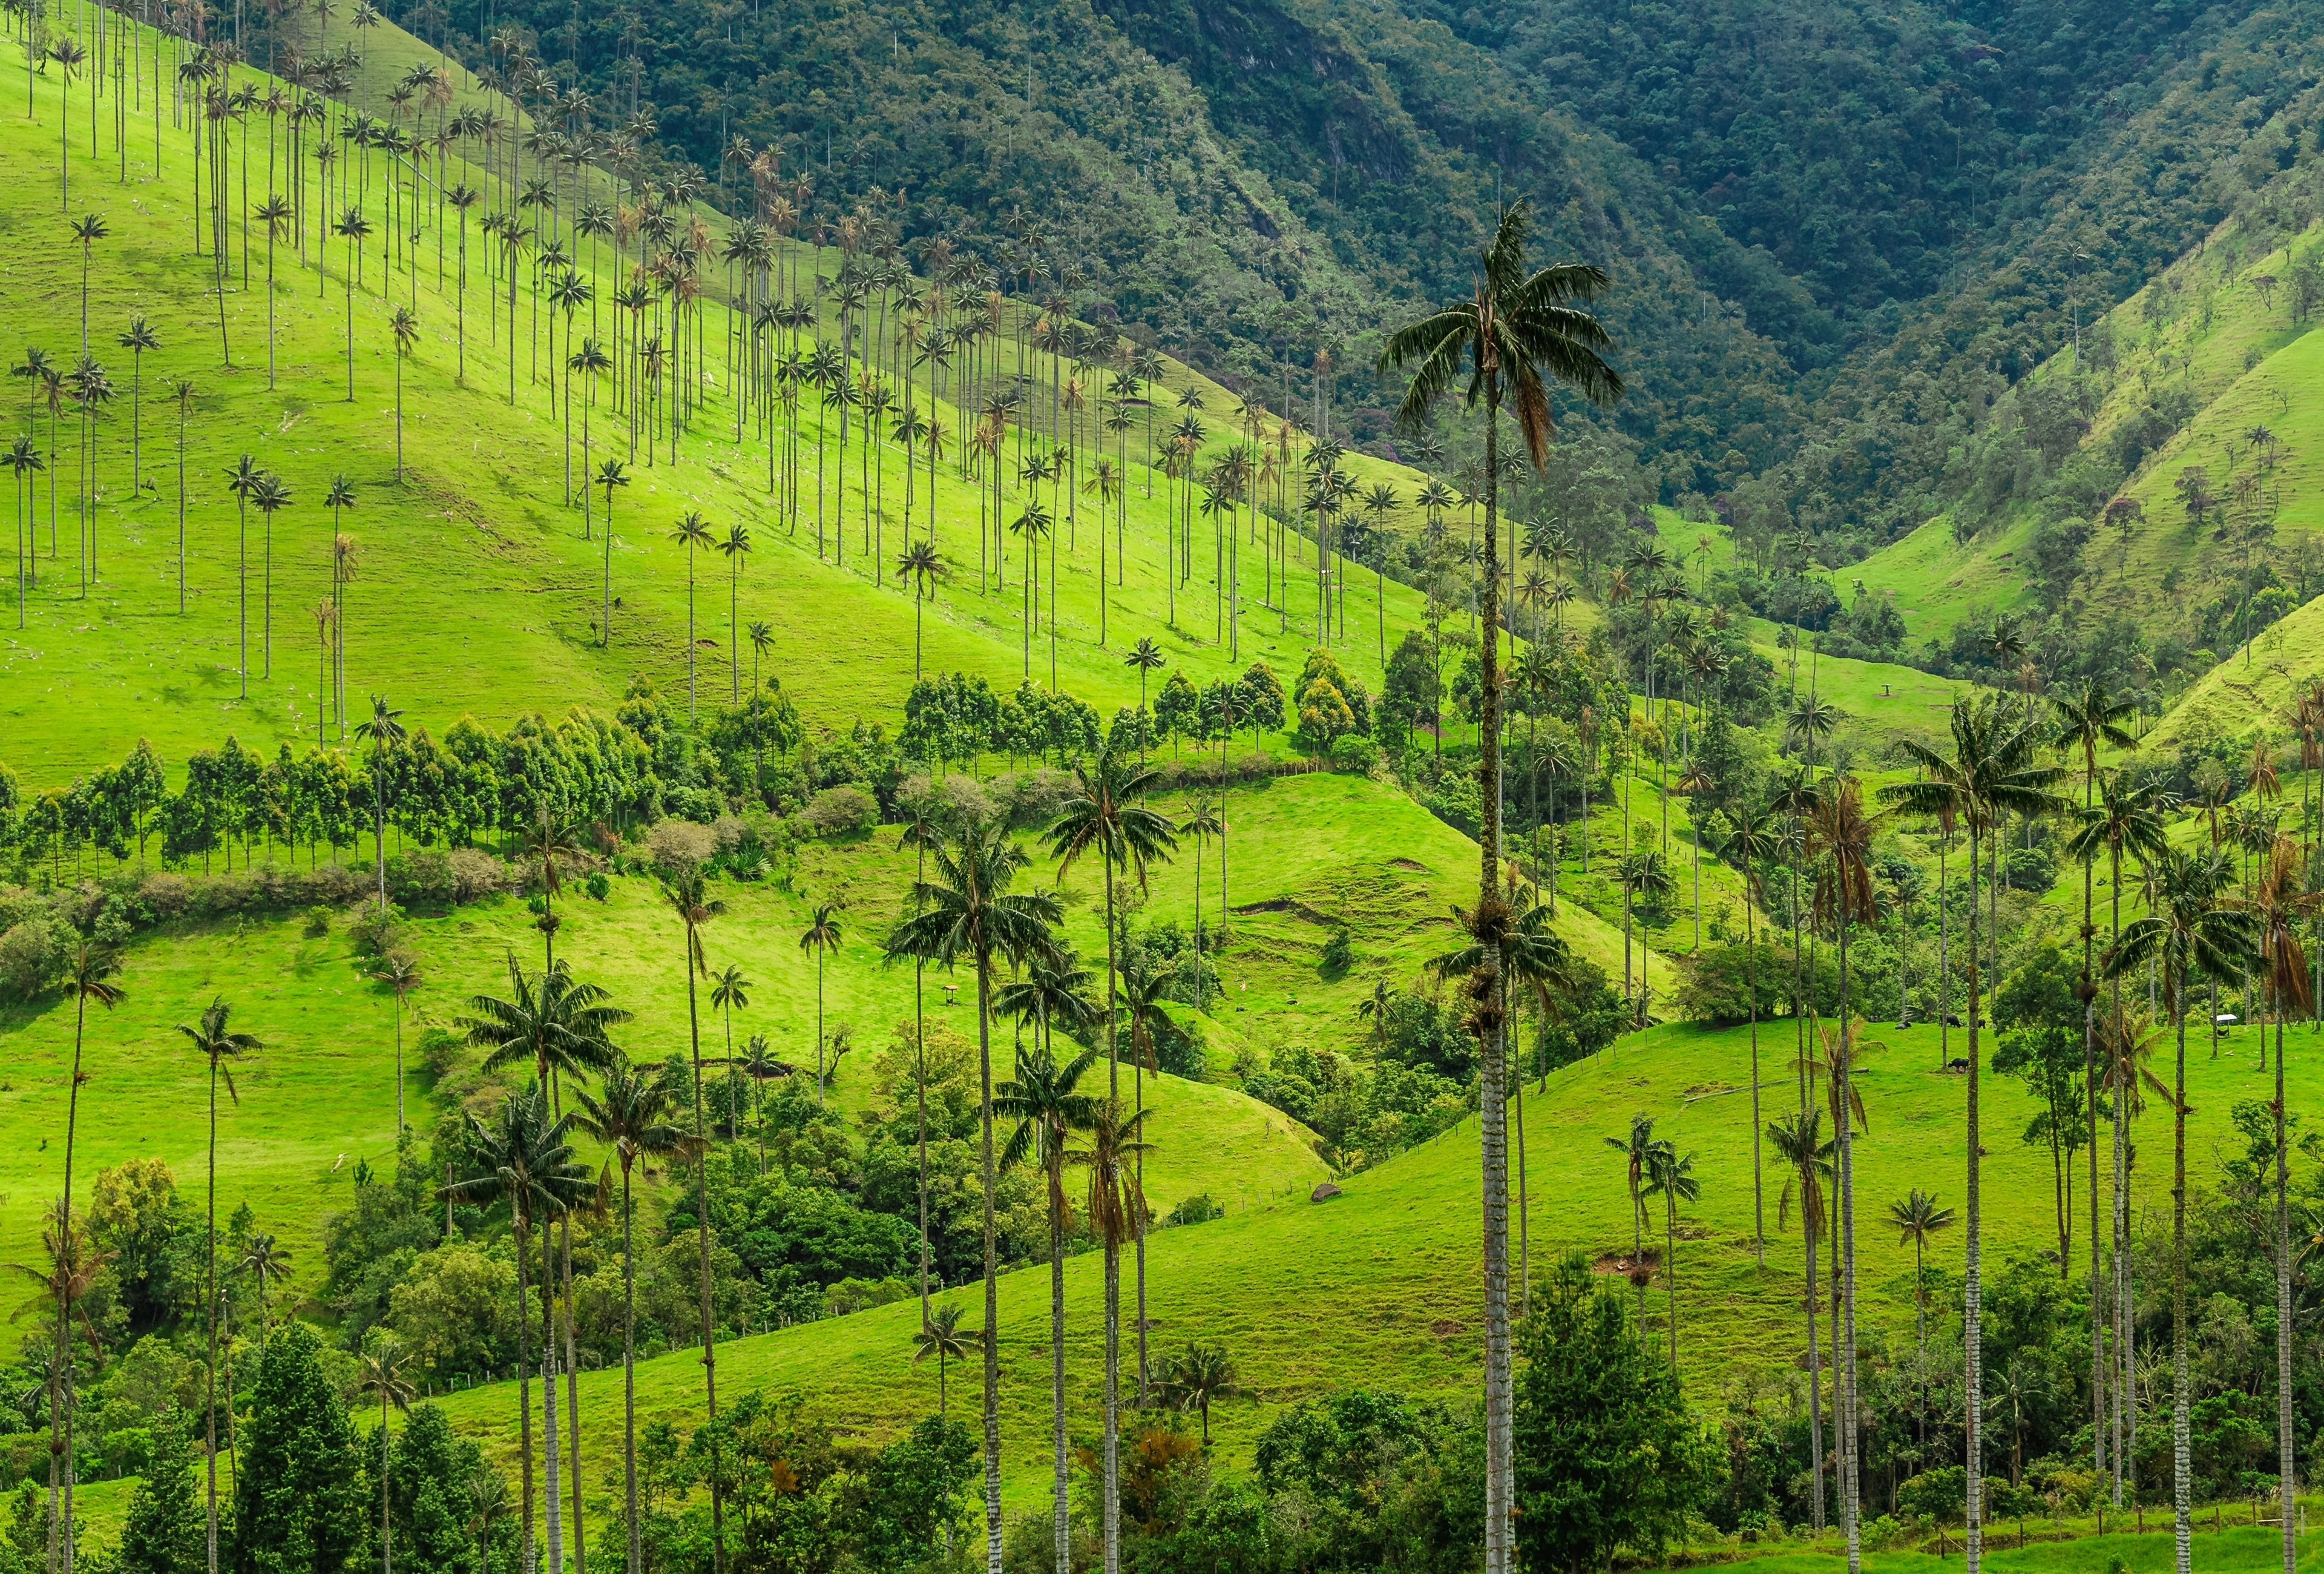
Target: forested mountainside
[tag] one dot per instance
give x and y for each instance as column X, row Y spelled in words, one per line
column 1837, row 231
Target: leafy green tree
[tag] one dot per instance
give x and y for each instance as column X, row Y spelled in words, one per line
column 298, row 1493
column 163, row 1532
column 1608, row 1458
column 429, row 1469
column 914, row 1493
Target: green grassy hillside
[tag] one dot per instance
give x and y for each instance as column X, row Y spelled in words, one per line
column 477, row 590
column 1379, row 1285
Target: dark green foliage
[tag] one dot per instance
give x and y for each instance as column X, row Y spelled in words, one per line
column 1411, row 692
column 371, row 1246
column 914, row 1489
column 1339, row 954
column 299, row 1497
column 1718, row 986
column 429, row 1472
column 1395, row 1483
column 1608, row 1457
column 164, row 1530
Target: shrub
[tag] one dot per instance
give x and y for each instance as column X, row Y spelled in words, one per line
column 1339, row 953
column 2031, row 869
column 165, row 895
column 476, row 875
column 25, row 958
column 838, row 812
column 679, row 844
column 1199, row 1209
column 373, row 932
column 318, row 920
column 420, row 874
column 597, row 887
column 1359, row 756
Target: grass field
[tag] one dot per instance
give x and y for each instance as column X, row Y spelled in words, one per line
column 1380, row 1285
column 476, row 592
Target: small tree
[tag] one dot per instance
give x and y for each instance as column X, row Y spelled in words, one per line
column 299, row 1490
column 1593, row 1405
column 164, row 1530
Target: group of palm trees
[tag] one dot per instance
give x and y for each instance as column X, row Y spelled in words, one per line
column 565, row 197
column 2207, row 923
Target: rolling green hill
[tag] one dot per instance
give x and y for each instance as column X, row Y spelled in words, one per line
column 1380, row 1285
column 476, row 589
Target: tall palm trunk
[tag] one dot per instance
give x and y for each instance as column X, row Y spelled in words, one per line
column 555, row 1523
column 702, row 1240
column 2181, row 1525
column 1060, row 1500
column 524, row 1395
column 991, row 1269
column 1492, row 1074
column 210, row 1319
column 630, row 1382
column 1844, row 1392
column 1972, row 1283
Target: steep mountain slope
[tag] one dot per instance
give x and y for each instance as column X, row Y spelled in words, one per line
column 476, row 586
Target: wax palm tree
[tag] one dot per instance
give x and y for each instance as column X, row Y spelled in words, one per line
column 384, row 732
column 353, row 229
column 2197, row 930
column 218, row 1042
column 967, row 912
column 1991, row 773
column 23, row 461
column 1672, row 1177
column 524, row 1157
column 399, row 974
column 2281, row 906
column 69, row 1270
column 1915, row 1219
column 587, row 362
column 1373, row 1009
column 279, row 217
column 919, row 567
column 1116, row 1214
column 265, row 1262
column 1197, row 1379
column 821, row 937
column 403, row 326
column 1750, row 841
column 270, row 497
column 941, row 1337
column 551, row 843
column 87, row 231
column 1148, row 657
column 1107, row 815
column 730, row 992
column 691, row 534
column 1839, row 839
column 686, row 896
column 612, row 476
column 1045, row 1101
column 242, row 481
column 137, row 339
column 632, row 1116
column 734, row 549
column 383, row 1373
column 1806, row 1157
column 2087, row 719
column 1639, row 1149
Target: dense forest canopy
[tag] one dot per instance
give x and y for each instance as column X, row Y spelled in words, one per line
column 1839, row 232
